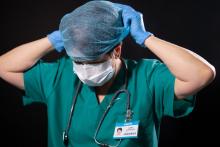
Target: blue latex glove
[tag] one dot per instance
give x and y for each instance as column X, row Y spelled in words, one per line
column 134, row 20
column 56, row 40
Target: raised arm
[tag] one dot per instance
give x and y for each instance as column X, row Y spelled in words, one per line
column 15, row 62
column 191, row 71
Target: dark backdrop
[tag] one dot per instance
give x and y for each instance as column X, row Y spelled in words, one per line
column 191, row 24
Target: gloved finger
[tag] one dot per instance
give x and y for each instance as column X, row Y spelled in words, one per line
column 124, row 10
column 128, row 13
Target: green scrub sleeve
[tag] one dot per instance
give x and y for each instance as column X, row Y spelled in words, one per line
column 161, row 84
column 39, row 82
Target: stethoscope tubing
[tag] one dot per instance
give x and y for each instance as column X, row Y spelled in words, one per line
column 128, row 115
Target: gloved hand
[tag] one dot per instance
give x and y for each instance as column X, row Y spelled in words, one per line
column 56, row 40
column 134, row 20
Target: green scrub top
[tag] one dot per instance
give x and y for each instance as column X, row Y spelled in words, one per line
column 150, row 84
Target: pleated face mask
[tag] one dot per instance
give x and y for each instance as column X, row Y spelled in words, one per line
column 94, row 74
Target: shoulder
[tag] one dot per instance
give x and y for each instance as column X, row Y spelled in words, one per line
column 44, row 76
column 147, row 65
column 46, row 72
column 147, row 69
column 53, row 66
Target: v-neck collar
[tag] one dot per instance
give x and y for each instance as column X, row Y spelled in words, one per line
column 90, row 93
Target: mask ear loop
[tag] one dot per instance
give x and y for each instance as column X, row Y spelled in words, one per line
column 115, row 55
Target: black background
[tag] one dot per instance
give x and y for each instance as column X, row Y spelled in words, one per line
column 191, row 24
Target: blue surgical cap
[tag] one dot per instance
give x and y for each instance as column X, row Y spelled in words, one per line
column 92, row 30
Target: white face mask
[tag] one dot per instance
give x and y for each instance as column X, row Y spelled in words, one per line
column 94, row 74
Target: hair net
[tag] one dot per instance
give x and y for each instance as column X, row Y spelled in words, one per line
column 92, row 30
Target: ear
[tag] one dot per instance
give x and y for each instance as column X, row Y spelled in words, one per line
column 117, row 51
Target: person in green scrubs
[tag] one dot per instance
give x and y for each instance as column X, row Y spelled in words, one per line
column 157, row 87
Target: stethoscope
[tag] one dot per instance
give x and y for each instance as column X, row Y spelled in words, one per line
column 128, row 115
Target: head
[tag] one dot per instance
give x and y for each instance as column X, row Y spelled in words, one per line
column 92, row 36
column 92, row 30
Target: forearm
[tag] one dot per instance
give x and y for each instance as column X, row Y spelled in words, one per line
column 184, row 64
column 25, row 56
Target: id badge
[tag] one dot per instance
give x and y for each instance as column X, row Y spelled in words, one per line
column 126, row 130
